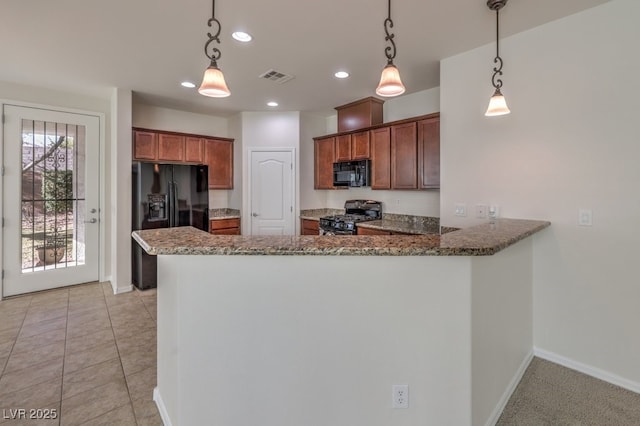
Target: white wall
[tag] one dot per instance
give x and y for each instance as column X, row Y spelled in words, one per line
column 502, row 333
column 315, row 340
column 411, row 105
column 235, row 196
column 268, row 130
column 172, row 120
column 120, row 196
column 421, row 203
column 310, row 127
column 571, row 142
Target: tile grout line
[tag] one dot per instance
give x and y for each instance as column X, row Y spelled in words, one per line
column 64, row 358
column 15, row 339
column 104, row 297
column 126, row 382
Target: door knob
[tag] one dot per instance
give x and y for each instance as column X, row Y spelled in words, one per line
column 94, row 220
column 254, row 214
column 93, row 210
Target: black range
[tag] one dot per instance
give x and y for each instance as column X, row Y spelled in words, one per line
column 355, row 211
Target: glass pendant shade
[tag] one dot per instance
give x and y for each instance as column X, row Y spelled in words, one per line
column 497, row 105
column 213, row 83
column 390, row 83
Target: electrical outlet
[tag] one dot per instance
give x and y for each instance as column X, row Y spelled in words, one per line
column 493, row 212
column 460, row 209
column 585, row 217
column 481, row 211
column 400, row 395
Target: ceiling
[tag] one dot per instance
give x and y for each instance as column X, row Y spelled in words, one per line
column 150, row 46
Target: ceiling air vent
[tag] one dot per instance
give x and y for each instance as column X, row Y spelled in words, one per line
column 277, row 76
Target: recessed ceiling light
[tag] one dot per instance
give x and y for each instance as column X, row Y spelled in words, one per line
column 342, row 74
column 272, row 104
column 242, row 36
column 188, row 84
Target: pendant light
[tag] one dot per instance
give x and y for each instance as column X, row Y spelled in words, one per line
column 213, row 83
column 497, row 103
column 390, row 84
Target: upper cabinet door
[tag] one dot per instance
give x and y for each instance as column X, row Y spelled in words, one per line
column 193, row 149
column 429, row 153
column 170, row 147
column 219, row 157
column 381, row 158
column 360, row 146
column 404, row 156
column 145, row 145
column 343, row 148
column 324, row 156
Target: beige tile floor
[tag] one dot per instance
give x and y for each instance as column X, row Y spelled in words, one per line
column 81, row 351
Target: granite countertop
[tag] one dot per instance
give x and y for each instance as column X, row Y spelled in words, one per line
column 480, row 240
column 316, row 214
column 224, row 214
column 407, row 224
column 397, row 226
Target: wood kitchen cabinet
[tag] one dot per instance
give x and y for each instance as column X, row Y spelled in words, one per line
column 225, row 226
column 309, row 227
column 370, row 231
column 182, row 148
column 429, row 153
column 324, row 157
column 343, row 148
column 352, row 147
column 193, row 149
column 218, row 155
column 170, row 147
column 145, row 145
column 360, row 146
column 404, row 156
column 381, row 158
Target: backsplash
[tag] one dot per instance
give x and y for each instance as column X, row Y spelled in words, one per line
column 223, row 213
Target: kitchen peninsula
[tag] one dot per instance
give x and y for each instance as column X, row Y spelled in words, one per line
column 315, row 330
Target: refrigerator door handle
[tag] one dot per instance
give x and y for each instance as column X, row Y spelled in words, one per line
column 176, row 221
column 171, row 205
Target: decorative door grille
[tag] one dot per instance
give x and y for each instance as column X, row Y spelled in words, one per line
column 53, row 195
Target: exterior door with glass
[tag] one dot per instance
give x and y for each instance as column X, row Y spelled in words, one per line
column 51, row 193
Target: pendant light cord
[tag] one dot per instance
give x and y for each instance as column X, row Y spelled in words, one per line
column 389, row 51
column 498, row 32
column 497, row 70
column 215, row 52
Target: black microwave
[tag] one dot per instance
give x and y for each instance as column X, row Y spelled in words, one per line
column 352, row 173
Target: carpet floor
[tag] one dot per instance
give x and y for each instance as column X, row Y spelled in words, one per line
column 550, row 394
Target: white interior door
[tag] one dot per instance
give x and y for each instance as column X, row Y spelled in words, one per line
column 51, row 199
column 272, row 193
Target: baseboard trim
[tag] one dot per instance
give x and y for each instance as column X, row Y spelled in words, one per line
column 120, row 290
column 497, row 411
column 157, row 398
column 588, row 370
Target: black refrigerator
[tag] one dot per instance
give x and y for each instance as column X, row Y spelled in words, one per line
column 164, row 196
